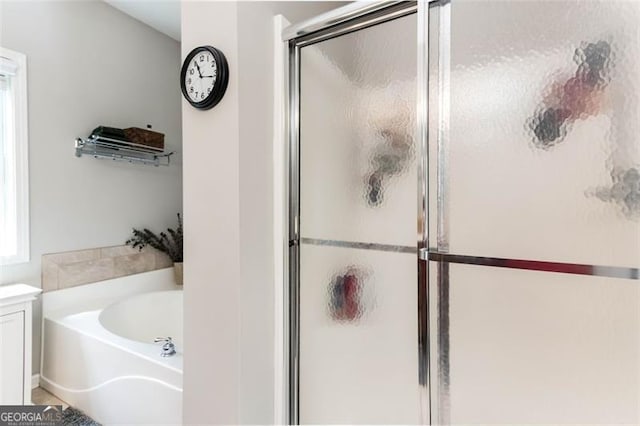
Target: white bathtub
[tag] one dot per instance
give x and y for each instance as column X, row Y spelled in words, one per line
column 98, row 352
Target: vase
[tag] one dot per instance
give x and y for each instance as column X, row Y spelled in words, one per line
column 177, row 270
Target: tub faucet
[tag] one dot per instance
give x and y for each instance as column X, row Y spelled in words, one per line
column 168, row 348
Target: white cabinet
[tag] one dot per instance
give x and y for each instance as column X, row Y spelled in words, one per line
column 15, row 343
column 11, row 356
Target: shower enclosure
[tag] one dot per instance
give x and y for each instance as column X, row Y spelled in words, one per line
column 464, row 210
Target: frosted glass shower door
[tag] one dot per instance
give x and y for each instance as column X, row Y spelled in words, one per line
column 535, row 170
column 358, row 359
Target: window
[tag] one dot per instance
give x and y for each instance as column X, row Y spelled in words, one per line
column 14, row 173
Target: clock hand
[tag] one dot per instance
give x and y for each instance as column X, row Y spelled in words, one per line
column 198, row 66
column 207, row 76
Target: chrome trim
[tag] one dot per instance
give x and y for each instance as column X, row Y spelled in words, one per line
column 111, row 149
column 335, row 17
column 358, row 245
column 535, row 265
column 341, row 15
column 444, row 71
column 424, row 366
column 392, row 12
column 432, row 126
column 422, row 116
column 168, row 347
column 432, row 303
column 435, row 220
column 286, row 305
column 422, row 137
column 440, row 399
column 294, row 233
column 443, row 394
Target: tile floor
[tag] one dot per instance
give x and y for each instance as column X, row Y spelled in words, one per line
column 40, row 396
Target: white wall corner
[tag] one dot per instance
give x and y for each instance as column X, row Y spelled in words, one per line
column 35, row 381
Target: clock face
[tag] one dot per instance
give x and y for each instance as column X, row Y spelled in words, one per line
column 204, row 77
column 201, row 76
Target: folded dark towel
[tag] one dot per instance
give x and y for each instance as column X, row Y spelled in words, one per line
column 109, row 132
column 132, row 138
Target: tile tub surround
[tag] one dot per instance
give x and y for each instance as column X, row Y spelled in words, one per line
column 72, row 268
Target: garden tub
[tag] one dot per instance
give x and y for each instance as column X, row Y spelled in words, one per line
column 98, row 350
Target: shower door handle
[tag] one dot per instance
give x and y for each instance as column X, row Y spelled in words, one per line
column 423, row 254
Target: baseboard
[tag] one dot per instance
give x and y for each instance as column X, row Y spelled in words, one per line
column 35, row 381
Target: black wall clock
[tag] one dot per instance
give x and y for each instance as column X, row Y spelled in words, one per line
column 204, row 77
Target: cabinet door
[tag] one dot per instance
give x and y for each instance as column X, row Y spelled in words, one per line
column 11, row 359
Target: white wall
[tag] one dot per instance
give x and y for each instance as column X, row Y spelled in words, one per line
column 228, row 200
column 212, row 223
column 90, row 64
column 255, row 39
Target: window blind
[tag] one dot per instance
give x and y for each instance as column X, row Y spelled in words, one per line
column 7, row 67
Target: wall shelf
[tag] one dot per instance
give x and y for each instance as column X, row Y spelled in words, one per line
column 109, row 149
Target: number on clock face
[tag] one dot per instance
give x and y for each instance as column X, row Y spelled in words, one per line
column 201, row 77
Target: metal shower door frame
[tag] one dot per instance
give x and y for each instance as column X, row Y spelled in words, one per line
column 344, row 20
column 432, row 248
